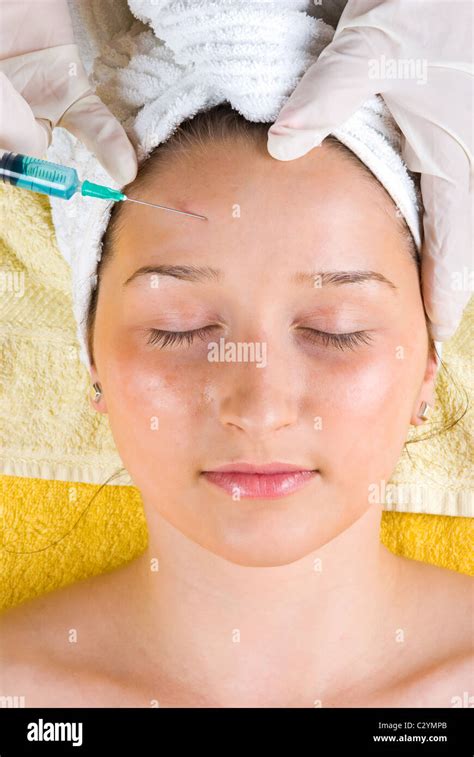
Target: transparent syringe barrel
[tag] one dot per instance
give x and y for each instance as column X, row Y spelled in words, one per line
column 38, row 175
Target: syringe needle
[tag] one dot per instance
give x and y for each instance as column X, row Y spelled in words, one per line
column 164, row 207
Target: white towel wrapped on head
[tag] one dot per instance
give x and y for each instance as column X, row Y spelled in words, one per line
column 195, row 54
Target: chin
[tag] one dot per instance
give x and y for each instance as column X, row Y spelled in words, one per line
column 268, row 538
column 264, row 555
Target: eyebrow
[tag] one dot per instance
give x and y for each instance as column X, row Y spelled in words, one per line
column 206, row 273
column 183, row 272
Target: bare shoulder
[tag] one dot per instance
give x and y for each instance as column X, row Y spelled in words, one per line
column 52, row 645
column 84, row 605
column 441, row 635
column 448, row 596
column 450, row 681
column 446, row 683
column 42, row 620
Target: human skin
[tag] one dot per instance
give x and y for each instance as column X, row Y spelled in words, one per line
column 285, row 602
column 214, row 413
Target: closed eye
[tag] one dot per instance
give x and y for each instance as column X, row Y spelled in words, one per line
column 350, row 341
column 341, row 341
column 169, row 338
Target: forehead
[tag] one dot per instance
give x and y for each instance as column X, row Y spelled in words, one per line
column 321, row 203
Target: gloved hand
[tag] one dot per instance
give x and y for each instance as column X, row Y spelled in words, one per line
column 435, row 118
column 43, row 84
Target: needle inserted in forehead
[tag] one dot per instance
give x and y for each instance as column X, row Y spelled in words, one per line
column 164, row 207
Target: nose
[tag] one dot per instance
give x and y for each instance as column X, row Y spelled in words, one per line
column 259, row 400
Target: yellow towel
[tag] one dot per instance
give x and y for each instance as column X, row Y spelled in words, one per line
column 55, row 449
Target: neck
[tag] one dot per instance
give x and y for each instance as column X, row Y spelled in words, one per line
column 259, row 635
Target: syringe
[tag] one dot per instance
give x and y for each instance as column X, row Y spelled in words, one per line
column 61, row 181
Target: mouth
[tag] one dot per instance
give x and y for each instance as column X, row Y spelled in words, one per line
column 263, row 481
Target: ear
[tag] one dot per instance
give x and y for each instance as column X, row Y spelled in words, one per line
column 100, row 406
column 427, row 389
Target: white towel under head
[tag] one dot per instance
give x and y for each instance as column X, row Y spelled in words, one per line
column 195, row 54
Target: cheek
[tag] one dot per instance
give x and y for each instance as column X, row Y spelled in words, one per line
column 366, row 403
column 155, row 408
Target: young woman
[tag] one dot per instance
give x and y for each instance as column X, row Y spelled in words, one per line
column 265, row 583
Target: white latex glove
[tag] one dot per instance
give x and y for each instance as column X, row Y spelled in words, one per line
column 43, row 84
column 435, row 118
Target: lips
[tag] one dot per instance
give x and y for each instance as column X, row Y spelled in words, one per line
column 269, row 480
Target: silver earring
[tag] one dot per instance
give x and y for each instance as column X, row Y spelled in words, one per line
column 97, row 392
column 425, row 410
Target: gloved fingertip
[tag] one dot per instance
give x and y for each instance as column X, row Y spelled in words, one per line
column 441, row 333
column 40, row 136
column 45, row 126
column 125, row 170
column 126, row 175
column 292, row 145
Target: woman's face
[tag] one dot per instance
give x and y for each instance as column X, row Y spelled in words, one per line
column 177, row 409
